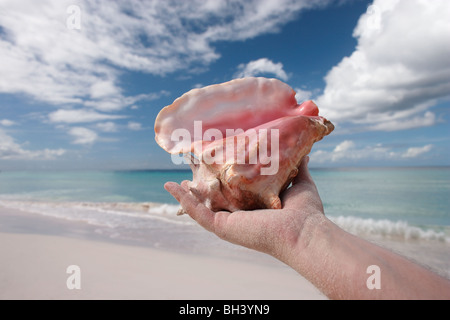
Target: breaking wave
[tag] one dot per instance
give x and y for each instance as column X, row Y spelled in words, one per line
column 108, row 214
column 149, row 215
column 395, row 230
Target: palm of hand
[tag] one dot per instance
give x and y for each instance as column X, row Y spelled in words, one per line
column 267, row 230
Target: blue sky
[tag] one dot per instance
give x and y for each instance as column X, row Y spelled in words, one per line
column 82, row 81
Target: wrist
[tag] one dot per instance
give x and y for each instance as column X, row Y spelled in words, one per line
column 312, row 240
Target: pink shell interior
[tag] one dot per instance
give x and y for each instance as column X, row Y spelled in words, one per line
column 242, row 103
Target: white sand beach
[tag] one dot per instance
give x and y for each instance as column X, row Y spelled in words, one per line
column 123, row 254
column 33, row 266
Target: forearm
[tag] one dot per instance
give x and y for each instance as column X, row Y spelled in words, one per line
column 337, row 263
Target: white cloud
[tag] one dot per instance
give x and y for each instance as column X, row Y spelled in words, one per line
column 347, row 150
column 7, row 122
column 83, row 135
column 79, row 116
column 11, row 150
column 108, row 102
column 302, row 95
column 107, row 126
column 134, row 126
column 344, row 146
column 415, row 152
column 425, row 120
column 103, row 89
column 261, row 66
column 44, row 59
column 398, row 71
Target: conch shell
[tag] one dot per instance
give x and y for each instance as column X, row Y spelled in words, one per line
column 244, row 140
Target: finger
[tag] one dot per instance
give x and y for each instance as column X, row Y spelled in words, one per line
column 303, row 172
column 196, row 210
column 302, row 190
column 172, row 189
column 184, row 184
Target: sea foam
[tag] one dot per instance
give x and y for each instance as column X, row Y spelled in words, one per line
column 395, row 230
column 143, row 215
column 107, row 214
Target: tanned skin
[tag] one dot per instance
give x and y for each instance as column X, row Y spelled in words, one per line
column 301, row 236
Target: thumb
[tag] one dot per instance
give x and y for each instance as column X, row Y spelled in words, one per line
column 303, row 172
column 302, row 189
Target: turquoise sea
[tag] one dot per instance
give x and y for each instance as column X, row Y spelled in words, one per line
column 406, row 208
column 417, row 195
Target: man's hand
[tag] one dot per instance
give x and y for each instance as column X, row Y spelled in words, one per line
column 273, row 231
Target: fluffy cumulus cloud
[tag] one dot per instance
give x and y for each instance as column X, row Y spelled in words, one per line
column 11, row 150
column 83, row 136
column 64, row 51
column 399, row 69
column 302, row 95
column 261, row 67
column 349, row 151
column 414, row 152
